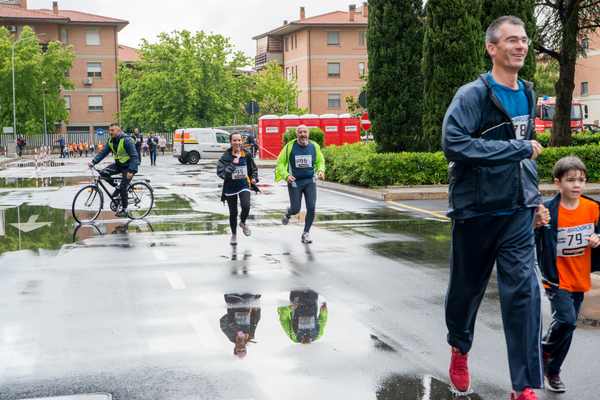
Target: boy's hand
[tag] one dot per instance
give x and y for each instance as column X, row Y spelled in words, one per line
column 593, row 240
column 542, row 216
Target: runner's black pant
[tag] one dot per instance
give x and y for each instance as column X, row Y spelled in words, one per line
column 116, row 169
column 232, row 202
column 507, row 241
column 565, row 310
column 308, row 188
column 152, row 157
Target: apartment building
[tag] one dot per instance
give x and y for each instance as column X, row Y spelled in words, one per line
column 326, row 55
column 93, row 103
column 587, row 78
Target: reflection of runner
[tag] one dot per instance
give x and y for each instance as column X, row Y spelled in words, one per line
column 241, row 320
column 238, row 170
column 300, row 163
column 493, row 196
column 300, row 320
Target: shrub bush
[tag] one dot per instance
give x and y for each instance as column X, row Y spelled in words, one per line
column 577, row 139
column 360, row 164
column 315, row 135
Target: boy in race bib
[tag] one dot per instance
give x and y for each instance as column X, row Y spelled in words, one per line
column 564, row 250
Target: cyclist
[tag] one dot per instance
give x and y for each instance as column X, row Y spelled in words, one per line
column 126, row 163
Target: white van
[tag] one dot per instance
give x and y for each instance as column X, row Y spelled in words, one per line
column 191, row 145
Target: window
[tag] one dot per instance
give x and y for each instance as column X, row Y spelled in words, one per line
column 585, row 88
column 92, row 37
column 68, row 102
column 64, row 36
column 95, row 103
column 362, row 38
column 94, row 70
column 286, row 41
column 585, row 44
column 333, row 38
column 222, row 137
column 334, row 100
column 361, row 70
column 333, row 70
column 295, row 41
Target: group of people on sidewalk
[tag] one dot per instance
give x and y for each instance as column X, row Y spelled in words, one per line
column 498, row 219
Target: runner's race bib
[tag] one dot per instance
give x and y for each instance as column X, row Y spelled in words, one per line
column 304, row 161
column 520, row 123
column 572, row 240
column 242, row 318
column 306, row 323
column 240, row 172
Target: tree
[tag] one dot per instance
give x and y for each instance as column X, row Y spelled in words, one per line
column 274, row 93
column 452, row 56
column 524, row 9
column 562, row 25
column 39, row 77
column 395, row 85
column 546, row 75
column 185, row 80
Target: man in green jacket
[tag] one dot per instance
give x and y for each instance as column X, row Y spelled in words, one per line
column 300, row 163
column 299, row 320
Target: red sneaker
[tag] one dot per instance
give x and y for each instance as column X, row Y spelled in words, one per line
column 460, row 380
column 526, row 394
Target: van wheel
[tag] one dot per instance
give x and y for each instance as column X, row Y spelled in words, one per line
column 193, row 157
column 181, row 160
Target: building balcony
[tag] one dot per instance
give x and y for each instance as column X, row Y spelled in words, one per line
column 263, row 59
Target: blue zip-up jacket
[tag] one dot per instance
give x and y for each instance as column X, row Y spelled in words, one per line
column 134, row 159
column 489, row 169
column 545, row 243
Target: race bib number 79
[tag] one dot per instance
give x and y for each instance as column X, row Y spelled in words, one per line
column 572, row 240
column 520, row 123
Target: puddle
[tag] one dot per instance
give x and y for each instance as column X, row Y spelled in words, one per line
column 14, row 183
column 426, row 387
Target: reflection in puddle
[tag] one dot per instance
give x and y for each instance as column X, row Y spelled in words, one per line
column 241, row 320
column 43, row 182
column 398, row 387
column 303, row 320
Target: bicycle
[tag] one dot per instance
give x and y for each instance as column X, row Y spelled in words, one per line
column 89, row 200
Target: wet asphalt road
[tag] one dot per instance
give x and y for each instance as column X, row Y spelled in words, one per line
column 136, row 310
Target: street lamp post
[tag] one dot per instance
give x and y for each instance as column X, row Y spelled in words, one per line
column 44, row 103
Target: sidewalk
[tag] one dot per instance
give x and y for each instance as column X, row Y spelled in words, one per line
column 590, row 309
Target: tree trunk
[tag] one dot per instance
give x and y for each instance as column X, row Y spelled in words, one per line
column 561, row 125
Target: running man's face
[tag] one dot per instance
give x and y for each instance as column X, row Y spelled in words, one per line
column 571, row 185
column 510, row 49
column 302, row 135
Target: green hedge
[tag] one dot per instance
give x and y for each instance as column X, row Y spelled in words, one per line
column 315, row 134
column 577, row 139
column 359, row 164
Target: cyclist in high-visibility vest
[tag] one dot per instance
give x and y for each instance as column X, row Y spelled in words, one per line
column 126, row 163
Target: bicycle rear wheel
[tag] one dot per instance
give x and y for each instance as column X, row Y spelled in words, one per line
column 87, row 204
column 140, row 200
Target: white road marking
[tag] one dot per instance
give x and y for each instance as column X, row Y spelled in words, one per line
column 175, row 280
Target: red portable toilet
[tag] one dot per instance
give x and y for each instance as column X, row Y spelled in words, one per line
column 289, row 122
column 269, row 136
column 330, row 125
column 350, row 126
column 311, row 121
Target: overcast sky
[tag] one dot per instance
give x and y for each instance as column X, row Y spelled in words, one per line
column 237, row 19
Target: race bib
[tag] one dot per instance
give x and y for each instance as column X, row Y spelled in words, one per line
column 240, row 172
column 304, row 161
column 242, row 317
column 572, row 240
column 306, row 323
column 520, row 123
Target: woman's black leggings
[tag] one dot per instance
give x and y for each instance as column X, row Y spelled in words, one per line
column 232, row 202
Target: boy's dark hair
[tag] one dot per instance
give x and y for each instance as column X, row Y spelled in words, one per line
column 566, row 164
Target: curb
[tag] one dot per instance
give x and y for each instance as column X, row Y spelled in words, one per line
column 590, row 309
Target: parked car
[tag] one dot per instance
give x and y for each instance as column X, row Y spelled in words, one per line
column 190, row 145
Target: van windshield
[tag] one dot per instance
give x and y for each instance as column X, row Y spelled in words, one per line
column 548, row 111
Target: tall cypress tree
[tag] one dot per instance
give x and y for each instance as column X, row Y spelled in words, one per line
column 395, row 85
column 524, row 9
column 452, row 56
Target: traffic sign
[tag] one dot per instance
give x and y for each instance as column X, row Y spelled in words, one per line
column 100, row 132
column 8, row 130
column 252, row 108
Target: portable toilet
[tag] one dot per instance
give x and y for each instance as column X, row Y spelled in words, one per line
column 312, row 121
column 330, row 125
column 269, row 137
column 350, row 127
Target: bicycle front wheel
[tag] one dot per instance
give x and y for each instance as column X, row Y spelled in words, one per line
column 140, row 200
column 87, row 204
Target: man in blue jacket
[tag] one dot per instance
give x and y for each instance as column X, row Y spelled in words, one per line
column 493, row 194
column 126, row 163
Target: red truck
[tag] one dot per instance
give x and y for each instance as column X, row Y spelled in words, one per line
column 546, row 107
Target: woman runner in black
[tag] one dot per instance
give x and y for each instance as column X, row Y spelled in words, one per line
column 238, row 170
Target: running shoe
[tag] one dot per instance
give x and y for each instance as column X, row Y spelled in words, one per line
column 233, row 240
column 526, row 394
column 122, row 213
column 555, row 384
column 460, row 381
column 285, row 219
column 306, row 238
column 245, row 229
